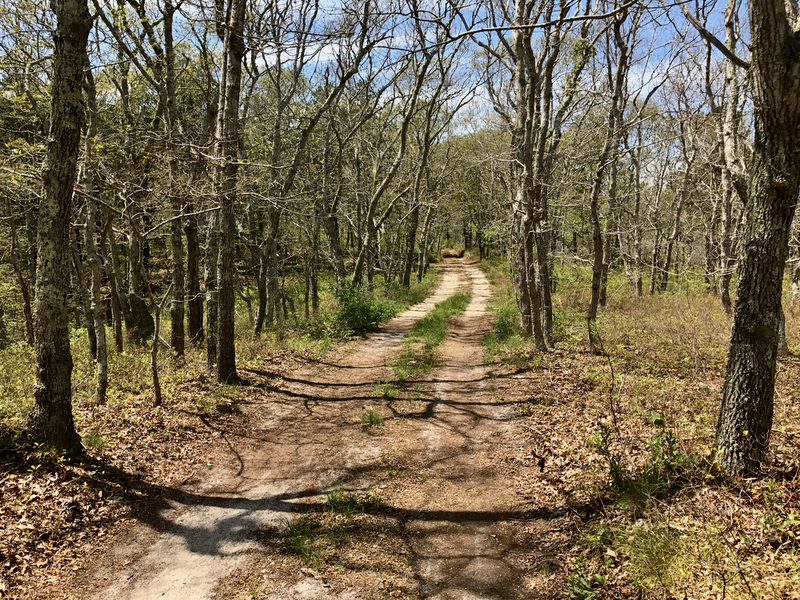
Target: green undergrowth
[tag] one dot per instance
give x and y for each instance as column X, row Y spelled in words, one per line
column 354, row 310
column 362, row 308
column 420, row 347
column 319, row 535
column 662, row 522
column 666, row 469
column 504, row 341
column 371, row 416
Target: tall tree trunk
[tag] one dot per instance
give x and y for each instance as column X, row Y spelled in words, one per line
column 92, row 255
column 83, row 292
column 50, row 420
column 672, row 240
column 194, row 299
column 637, row 212
column 610, row 146
column 411, row 242
column 227, row 146
column 732, row 165
column 745, row 418
column 111, row 276
column 116, row 265
column 177, row 306
column 422, row 266
column 140, row 324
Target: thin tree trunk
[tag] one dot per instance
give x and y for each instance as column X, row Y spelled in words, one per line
column 21, row 279
column 210, row 261
column 422, row 265
column 227, row 145
column 672, row 240
column 83, row 293
column 92, row 255
column 116, row 265
column 194, row 299
column 116, row 310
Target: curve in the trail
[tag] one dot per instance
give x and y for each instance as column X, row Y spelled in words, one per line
column 207, row 531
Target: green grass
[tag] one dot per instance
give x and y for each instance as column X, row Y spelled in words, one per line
column 431, row 330
column 419, row 353
column 345, row 502
column 95, row 439
column 316, row 536
column 371, row 417
column 304, row 538
column 385, row 389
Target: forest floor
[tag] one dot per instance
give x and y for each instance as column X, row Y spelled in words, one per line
column 419, row 503
column 335, row 479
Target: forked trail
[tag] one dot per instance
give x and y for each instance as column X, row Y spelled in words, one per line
column 446, row 504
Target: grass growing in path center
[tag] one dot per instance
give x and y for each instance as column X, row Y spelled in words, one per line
column 419, row 351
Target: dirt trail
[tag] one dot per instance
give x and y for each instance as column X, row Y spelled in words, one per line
column 305, row 437
column 460, row 533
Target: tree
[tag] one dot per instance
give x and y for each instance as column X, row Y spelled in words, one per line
column 230, row 26
column 745, row 418
column 50, row 420
column 608, row 153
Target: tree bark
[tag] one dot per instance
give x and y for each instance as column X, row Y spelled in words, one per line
column 609, row 146
column 50, row 421
column 210, row 279
column 116, row 308
column 177, row 306
column 672, row 240
column 745, row 418
column 21, row 279
column 92, row 255
column 82, row 291
column 227, row 145
column 194, row 299
column 140, row 323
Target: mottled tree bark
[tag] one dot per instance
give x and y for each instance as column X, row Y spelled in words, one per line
column 21, row 279
column 609, row 146
column 140, row 322
column 177, row 309
column 745, row 418
column 50, row 421
column 732, row 168
column 194, row 300
column 210, row 279
column 111, row 276
column 83, row 294
column 227, row 145
column 672, row 240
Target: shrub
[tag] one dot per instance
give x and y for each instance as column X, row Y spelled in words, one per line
column 360, row 311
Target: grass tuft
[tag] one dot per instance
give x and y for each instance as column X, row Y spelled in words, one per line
column 371, row 417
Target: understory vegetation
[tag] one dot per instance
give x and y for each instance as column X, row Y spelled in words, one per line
column 632, row 433
column 354, row 311
column 419, row 354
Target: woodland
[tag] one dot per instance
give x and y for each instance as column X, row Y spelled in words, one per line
column 199, row 199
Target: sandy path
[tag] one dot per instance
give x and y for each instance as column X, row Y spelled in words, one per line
column 460, row 529
column 305, row 438
column 298, row 450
